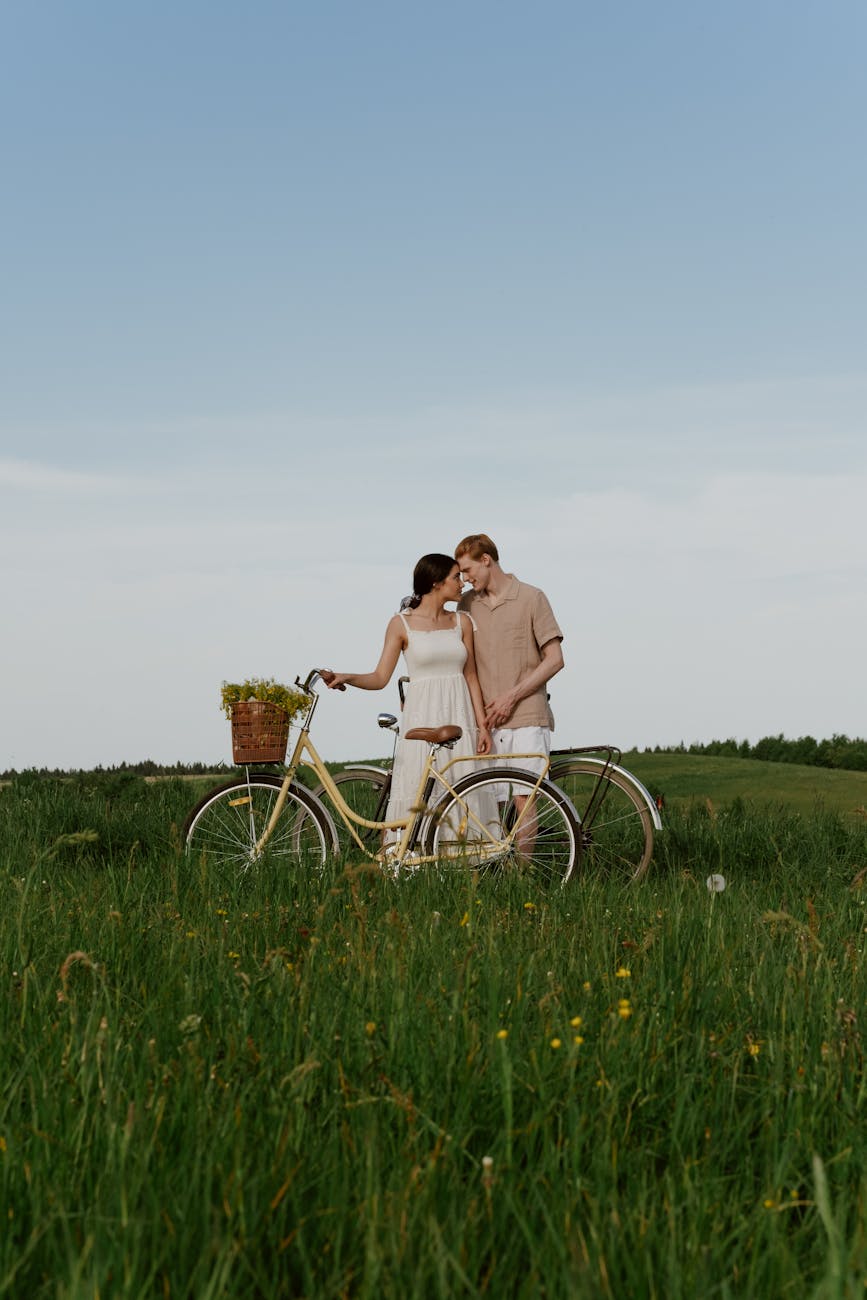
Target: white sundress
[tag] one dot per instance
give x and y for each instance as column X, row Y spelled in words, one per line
column 437, row 696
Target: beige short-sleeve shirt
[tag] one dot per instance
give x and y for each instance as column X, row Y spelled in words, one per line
column 511, row 630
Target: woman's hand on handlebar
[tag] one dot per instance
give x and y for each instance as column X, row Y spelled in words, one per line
column 334, row 681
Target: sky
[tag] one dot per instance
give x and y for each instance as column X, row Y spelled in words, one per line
column 293, row 294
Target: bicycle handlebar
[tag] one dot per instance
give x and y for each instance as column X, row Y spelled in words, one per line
column 316, row 674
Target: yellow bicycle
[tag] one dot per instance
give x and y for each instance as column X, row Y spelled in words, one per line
column 261, row 815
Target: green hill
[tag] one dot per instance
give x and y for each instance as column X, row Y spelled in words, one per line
column 683, row 778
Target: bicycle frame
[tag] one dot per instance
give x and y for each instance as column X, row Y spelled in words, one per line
column 305, row 754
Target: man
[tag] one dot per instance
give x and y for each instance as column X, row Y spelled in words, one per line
column 518, row 651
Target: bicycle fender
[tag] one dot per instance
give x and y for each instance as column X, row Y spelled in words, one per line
column 631, row 778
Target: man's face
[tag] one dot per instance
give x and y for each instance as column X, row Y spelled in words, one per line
column 475, row 572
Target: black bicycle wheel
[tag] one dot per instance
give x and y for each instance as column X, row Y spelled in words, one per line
column 542, row 842
column 616, row 826
column 365, row 789
column 228, row 822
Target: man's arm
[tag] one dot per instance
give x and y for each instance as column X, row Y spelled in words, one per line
column 501, row 709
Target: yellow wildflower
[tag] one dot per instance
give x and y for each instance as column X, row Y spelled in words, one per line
column 622, row 973
column 370, row 1028
column 555, row 1043
column 624, row 1010
column 577, row 1040
column 502, row 1033
column 575, row 1022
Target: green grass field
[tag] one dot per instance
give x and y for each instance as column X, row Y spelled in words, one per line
column 687, row 777
column 342, row 1085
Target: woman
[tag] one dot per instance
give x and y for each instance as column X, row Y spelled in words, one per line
column 437, row 645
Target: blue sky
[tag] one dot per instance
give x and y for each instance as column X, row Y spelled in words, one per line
column 293, row 294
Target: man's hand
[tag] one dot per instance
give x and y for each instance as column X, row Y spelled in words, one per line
column 501, row 709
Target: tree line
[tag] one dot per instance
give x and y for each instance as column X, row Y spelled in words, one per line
column 838, row 752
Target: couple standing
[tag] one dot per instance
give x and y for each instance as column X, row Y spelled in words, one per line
column 483, row 668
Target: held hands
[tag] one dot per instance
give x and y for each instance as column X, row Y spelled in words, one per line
column 334, row 681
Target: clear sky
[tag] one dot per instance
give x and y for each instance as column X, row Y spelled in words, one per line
column 294, row 293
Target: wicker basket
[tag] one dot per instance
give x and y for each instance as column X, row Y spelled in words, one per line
column 260, row 732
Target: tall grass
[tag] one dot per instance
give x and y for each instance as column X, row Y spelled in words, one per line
column 342, row 1085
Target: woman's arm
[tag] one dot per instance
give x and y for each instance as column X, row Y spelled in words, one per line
column 483, row 739
column 395, row 640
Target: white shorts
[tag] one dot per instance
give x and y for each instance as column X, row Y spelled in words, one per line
column 520, row 740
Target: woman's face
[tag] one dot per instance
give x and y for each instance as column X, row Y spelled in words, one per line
column 452, row 586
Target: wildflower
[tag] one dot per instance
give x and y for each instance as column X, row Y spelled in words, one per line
column 577, row 1040
column 221, row 911
column 716, row 883
column 769, row 1204
column 555, row 1043
column 754, row 1049
column 191, row 934
column 529, row 907
column 370, row 1028
column 465, row 918
column 624, row 1010
column 586, row 986
column 575, row 1022
column 233, row 955
column 502, row 1033
column 622, row 973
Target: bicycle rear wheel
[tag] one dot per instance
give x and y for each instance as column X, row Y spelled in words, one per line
column 226, row 824
column 617, row 831
column 543, row 843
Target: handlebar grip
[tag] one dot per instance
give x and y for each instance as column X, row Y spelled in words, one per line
column 325, row 673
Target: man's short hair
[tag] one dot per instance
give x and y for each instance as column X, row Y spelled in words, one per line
column 477, row 545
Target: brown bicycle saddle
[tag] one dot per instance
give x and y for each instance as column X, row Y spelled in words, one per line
column 434, row 735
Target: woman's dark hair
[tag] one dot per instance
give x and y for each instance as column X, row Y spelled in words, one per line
column 430, row 570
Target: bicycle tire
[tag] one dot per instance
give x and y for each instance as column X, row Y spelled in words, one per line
column 616, row 839
column 226, row 824
column 555, row 846
column 366, row 790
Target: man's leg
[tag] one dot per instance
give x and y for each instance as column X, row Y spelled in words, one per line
column 531, row 747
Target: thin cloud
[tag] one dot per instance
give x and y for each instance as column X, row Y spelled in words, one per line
column 33, row 476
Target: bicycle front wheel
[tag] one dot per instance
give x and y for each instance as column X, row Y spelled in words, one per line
column 366, row 791
column 227, row 824
column 616, row 828
column 536, row 832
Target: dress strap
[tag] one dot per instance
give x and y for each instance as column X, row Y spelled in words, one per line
column 403, row 620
